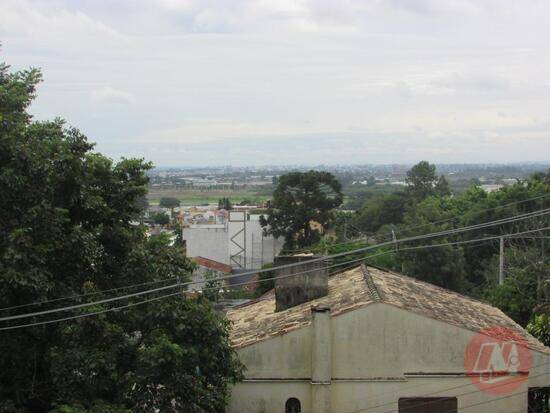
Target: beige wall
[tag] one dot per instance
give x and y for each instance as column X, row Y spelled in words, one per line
column 374, row 351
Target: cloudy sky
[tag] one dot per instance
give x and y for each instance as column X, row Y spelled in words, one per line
column 199, row 82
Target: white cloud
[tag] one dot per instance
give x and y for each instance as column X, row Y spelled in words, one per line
column 110, row 95
column 220, row 82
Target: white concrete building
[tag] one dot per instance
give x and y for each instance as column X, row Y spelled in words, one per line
column 238, row 242
column 374, row 342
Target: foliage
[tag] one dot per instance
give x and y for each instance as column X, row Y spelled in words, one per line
column 300, row 200
column 385, row 210
column 160, row 218
column 169, row 202
column 142, row 203
column 422, row 181
column 517, row 297
column 66, row 229
column 469, row 267
column 225, row 203
column 212, row 287
column 539, row 327
column 265, row 281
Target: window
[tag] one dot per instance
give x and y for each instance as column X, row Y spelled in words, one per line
column 427, row 405
column 293, row 406
column 539, row 400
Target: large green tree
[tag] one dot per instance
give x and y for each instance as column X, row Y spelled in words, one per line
column 67, row 228
column 300, row 201
column 423, row 181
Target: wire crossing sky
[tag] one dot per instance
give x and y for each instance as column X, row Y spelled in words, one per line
column 187, row 83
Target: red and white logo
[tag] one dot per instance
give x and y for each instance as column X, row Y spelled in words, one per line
column 497, row 360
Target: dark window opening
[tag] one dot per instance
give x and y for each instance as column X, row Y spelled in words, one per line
column 428, row 405
column 293, row 406
column 538, row 400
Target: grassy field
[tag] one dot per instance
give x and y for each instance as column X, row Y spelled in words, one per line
column 189, row 197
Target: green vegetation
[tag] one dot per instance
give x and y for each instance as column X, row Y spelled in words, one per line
column 426, row 206
column 66, row 229
column 471, row 268
column 192, row 197
column 301, row 200
column 160, row 218
column 224, row 203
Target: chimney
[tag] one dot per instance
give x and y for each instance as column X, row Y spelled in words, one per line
column 309, row 283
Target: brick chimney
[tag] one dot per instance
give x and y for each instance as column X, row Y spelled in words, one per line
column 309, row 283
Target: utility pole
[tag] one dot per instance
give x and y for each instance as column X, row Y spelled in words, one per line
column 345, row 229
column 501, row 263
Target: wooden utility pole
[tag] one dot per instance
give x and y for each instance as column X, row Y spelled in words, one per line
column 501, row 263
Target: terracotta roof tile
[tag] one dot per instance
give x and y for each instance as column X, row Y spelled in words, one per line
column 213, row 265
column 355, row 288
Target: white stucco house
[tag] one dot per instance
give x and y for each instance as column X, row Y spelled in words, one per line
column 373, row 341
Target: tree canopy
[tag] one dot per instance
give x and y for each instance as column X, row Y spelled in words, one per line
column 169, row 202
column 422, row 181
column 463, row 265
column 302, row 207
column 67, row 229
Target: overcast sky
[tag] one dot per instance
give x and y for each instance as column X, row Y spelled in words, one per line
column 186, row 83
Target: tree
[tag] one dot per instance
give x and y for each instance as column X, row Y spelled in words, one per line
column 441, row 187
column 444, row 265
column 160, row 218
column 381, row 211
column 65, row 230
column 539, row 327
column 265, row 282
column 301, row 200
column 170, row 203
column 224, row 203
column 371, row 181
column 142, row 203
column 422, row 181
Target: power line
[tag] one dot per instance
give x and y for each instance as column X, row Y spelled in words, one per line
column 433, row 222
column 341, row 254
column 86, row 294
column 257, row 281
column 153, row 299
column 475, row 212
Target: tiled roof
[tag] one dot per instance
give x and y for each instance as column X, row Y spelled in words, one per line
column 213, row 265
column 360, row 286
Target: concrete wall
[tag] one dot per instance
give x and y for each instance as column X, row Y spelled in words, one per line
column 259, row 249
column 379, row 353
column 213, row 242
column 208, row 241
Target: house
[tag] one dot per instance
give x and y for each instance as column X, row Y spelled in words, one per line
column 238, row 240
column 367, row 340
column 205, row 267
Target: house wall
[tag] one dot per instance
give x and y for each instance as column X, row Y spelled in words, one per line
column 378, row 353
column 259, row 248
column 213, row 241
column 208, row 241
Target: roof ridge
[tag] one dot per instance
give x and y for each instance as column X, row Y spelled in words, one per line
column 374, row 293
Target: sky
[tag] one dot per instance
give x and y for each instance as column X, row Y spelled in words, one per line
column 235, row 82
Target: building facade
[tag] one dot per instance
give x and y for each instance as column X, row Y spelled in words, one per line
column 380, row 342
column 238, row 242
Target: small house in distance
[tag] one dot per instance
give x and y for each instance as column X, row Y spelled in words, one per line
column 369, row 340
